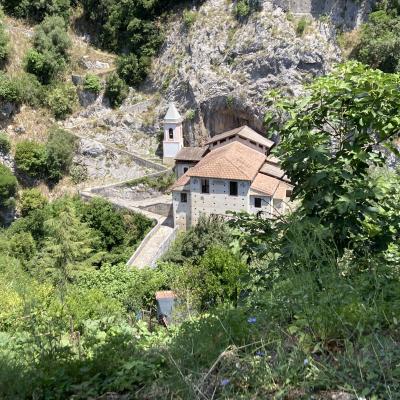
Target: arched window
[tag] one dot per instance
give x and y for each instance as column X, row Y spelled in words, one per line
column 171, row 133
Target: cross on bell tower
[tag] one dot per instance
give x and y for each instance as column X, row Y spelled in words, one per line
column 173, row 134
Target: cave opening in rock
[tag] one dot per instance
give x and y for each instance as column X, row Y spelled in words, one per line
column 225, row 119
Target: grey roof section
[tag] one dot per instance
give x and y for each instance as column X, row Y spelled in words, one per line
column 246, row 133
column 191, row 154
column 172, row 114
column 271, row 168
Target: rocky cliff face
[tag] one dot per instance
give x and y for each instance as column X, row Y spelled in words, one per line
column 218, row 68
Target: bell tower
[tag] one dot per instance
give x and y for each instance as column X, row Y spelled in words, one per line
column 173, row 134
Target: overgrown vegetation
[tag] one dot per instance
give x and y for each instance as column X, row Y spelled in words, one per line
column 160, row 182
column 116, row 90
column 50, row 161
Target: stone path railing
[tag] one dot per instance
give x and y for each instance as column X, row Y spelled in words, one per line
column 158, row 240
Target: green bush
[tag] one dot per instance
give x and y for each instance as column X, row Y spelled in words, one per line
column 30, row 158
column 30, row 90
column 60, row 148
column 131, row 69
column 5, row 145
column 9, row 90
column 4, row 43
column 78, row 173
column 8, row 186
column 116, row 90
column 50, row 54
column 37, row 10
column 92, row 83
column 31, row 200
column 242, row 9
column 302, row 25
column 189, row 17
column 62, row 100
column 379, row 44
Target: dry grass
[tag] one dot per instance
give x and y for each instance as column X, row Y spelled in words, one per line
column 35, row 123
column 20, row 41
column 348, row 41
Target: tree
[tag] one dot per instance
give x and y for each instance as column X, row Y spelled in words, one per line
column 101, row 216
column 50, row 54
column 31, row 200
column 379, row 44
column 131, row 69
column 66, row 248
column 116, row 90
column 62, row 100
column 330, row 142
column 60, row 151
column 30, row 158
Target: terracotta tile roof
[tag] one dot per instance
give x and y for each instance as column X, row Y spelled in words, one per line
column 246, row 133
column 232, row 161
column 165, row 294
column 273, row 170
column 191, row 154
column 182, row 181
column 270, row 186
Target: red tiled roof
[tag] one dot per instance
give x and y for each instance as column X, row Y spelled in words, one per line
column 165, row 294
column 246, row 133
column 232, row 161
column 182, row 181
column 191, row 154
column 270, row 186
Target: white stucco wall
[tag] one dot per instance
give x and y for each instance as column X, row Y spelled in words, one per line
column 181, row 210
column 265, row 204
column 179, row 168
column 218, row 201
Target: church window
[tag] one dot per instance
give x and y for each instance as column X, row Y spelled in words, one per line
column 257, row 202
column 183, row 197
column 171, row 133
column 205, row 186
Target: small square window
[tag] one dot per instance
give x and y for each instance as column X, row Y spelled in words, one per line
column 257, row 202
column 183, row 197
column 185, row 169
column 205, row 186
column 288, row 193
column 233, row 188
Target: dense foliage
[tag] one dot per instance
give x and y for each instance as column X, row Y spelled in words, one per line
column 8, row 186
column 50, row 161
column 116, row 90
column 49, row 56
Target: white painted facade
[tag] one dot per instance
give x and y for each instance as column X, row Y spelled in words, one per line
column 173, row 135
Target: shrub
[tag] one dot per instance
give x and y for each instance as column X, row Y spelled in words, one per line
column 379, row 44
column 92, row 83
column 50, row 54
column 30, row 200
column 30, row 90
column 62, row 100
column 131, row 69
column 4, row 43
column 30, row 158
column 9, row 91
column 8, row 186
column 189, row 17
column 78, row 173
column 116, row 90
column 242, row 9
column 60, row 151
column 302, row 25
column 37, row 10
column 5, row 145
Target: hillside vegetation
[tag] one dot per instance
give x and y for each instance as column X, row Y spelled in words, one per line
column 306, row 306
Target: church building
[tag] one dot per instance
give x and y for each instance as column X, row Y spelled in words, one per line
column 234, row 171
